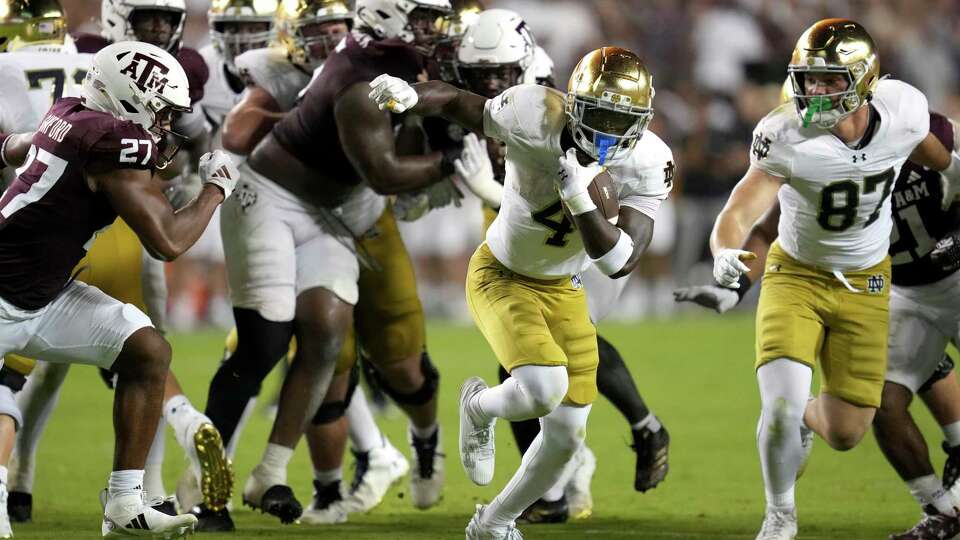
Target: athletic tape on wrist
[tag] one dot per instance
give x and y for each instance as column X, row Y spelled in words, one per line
column 614, row 260
column 581, row 203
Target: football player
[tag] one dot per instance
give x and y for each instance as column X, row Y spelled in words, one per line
column 489, row 70
column 523, row 284
column 89, row 161
column 831, row 157
column 326, row 203
column 118, row 265
column 924, row 318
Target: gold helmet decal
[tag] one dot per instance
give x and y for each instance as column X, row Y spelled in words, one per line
column 30, row 22
column 237, row 26
column 609, row 102
column 833, row 46
column 310, row 29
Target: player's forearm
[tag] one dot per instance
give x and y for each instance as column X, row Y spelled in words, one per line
column 616, row 250
column 932, row 154
column 436, row 98
column 14, row 148
column 729, row 231
column 181, row 229
column 244, row 127
column 395, row 174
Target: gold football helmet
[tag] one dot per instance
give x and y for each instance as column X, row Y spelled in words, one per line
column 31, row 22
column 237, row 26
column 835, row 46
column 304, row 28
column 609, row 102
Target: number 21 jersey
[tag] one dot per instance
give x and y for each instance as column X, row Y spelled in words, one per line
column 835, row 199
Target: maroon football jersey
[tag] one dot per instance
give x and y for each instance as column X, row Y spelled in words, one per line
column 193, row 64
column 49, row 215
column 918, row 219
column 309, row 131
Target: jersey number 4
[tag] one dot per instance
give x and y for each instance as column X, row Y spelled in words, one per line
column 555, row 219
column 839, row 201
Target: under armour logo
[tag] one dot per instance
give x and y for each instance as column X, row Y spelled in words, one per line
column 152, row 72
column 761, row 146
column 875, row 283
column 863, row 157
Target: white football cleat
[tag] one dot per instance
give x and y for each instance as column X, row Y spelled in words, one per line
column 129, row 515
column 268, row 491
column 376, row 471
column 327, row 507
column 778, row 526
column 5, row 530
column 577, row 490
column 428, row 474
column 477, row 531
column 477, row 450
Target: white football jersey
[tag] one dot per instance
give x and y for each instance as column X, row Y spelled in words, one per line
column 16, row 111
column 218, row 95
column 836, row 199
column 49, row 76
column 531, row 234
column 271, row 70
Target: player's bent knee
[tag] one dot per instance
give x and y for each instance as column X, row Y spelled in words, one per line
column 544, row 386
column 145, row 353
column 783, row 415
column 414, row 396
column 8, row 406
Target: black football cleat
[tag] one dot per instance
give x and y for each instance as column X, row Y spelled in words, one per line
column 20, row 506
column 543, row 511
column 280, row 501
column 652, row 448
column 951, row 468
column 932, row 526
column 213, row 520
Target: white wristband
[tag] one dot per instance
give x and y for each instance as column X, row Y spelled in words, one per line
column 614, row 260
column 581, row 203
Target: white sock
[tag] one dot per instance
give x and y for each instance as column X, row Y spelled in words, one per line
column 153, row 471
column 3, row 474
column 182, row 416
column 127, row 482
column 244, row 418
column 951, row 432
column 37, row 401
column 274, row 462
column 649, row 420
column 560, row 437
column 365, row 435
column 328, row 477
column 523, row 396
column 929, row 490
column 784, row 388
column 423, row 432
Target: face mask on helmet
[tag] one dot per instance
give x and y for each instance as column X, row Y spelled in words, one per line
column 27, row 23
column 168, row 141
column 320, row 39
column 238, row 26
column 824, row 96
column 489, row 81
column 426, row 25
column 603, row 130
column 158, row 22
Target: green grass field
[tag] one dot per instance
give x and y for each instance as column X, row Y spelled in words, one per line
column 695, row 373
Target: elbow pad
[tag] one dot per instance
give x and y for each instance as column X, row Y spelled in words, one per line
column 614, row 260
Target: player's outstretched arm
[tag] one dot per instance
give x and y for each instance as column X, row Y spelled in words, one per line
column 368, row 141
column 14, row 148
column 432, row 98
column 138, row 198
column 250, row 120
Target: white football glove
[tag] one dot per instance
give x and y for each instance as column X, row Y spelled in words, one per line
column 717, row 298
column 728, row 265
column 475, row 169
column 217, row 168
column 393, row 93
column 573, row 180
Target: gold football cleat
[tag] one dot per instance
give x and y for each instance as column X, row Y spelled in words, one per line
column 216, row 469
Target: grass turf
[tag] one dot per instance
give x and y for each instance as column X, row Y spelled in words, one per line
column 696, row 374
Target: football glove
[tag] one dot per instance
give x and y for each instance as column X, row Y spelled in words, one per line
column 393, row 94
column 572, row 182
column 476, row 170
column 946, row 254
column 715, row 297
column 728, row 265
column 217, row 168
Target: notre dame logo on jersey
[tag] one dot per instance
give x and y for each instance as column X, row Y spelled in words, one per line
column 761, row 146
column 875, row 284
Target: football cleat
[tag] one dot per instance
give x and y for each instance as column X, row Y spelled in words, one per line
column 427, row 476
column 210, row 462
column 652, row 448
column 477, row 531
column 213, row 521
column 271, row 497
column 951, row 468
column 165, row 505
column 129, row 515
column 543, row 511
column 375, row 472
column 327, row 506
column 477, row 450
column 577, row 490
column 20, row 506
column 5, row 530
column 778, row 526
column 932, row 526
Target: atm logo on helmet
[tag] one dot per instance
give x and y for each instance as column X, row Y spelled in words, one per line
column 147, row 72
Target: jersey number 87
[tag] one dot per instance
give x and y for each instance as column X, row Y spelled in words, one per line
column 839, row 201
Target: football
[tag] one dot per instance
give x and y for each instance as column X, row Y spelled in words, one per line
column 604, row 195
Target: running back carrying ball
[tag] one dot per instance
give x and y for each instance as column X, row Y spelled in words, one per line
column 604, row 196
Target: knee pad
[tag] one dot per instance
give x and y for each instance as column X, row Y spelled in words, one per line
column 266, row 342
column 422, row 396
column 544, row 386
column 943, row 369
column 329, row 412
column 8, row 406
column 12, row 379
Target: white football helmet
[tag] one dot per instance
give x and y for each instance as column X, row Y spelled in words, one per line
column 139, row 82
column 117, row 25
column 495, row 52
column 231, row 42
column 392, row 19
